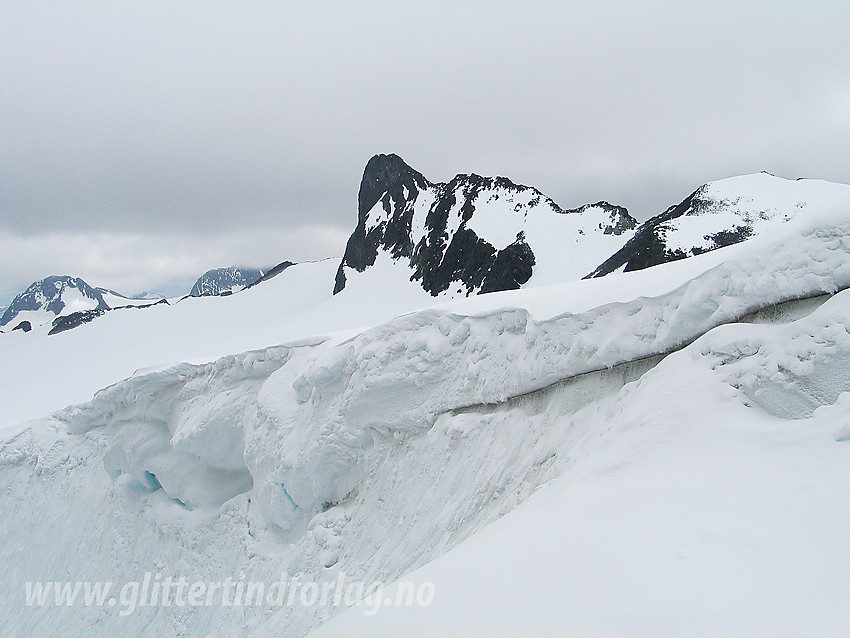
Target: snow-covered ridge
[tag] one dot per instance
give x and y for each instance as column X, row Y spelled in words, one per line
column 331, row 400
column 719, row 214
column 707, row 493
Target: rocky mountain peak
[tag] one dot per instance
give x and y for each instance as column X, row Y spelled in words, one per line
column 473, row 234
column 52, row 296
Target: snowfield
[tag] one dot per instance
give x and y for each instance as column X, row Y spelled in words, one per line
column 660, row 452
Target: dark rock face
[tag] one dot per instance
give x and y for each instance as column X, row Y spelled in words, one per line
column 66, row 322
column 511, row 268
column 723, row 238
column 386, row 179
column 465, row 258
column 649, row 246
column 47, row 294
column 441, row 258
column 219, row 281
column 274, row 271
column 24, row 326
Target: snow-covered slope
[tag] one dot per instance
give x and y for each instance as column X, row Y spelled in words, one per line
column 719, row 214
column 42, row 374
column 473, row 234
column 116, row 300
column 372, row 452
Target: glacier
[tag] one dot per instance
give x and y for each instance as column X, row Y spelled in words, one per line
column 417, row 439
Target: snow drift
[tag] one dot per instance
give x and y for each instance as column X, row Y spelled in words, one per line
column 686, row 505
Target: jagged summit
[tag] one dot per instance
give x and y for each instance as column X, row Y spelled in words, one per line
column 387, row 174
column 473, row 234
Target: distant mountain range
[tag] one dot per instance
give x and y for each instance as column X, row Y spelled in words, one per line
column 475, row 235
column 65, row 302
column 481, row 234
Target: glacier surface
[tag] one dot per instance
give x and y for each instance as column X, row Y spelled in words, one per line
column 438, row 439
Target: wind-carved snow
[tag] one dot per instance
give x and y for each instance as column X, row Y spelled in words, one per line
column 685, row 499
column 375, row 454
column 784, row 370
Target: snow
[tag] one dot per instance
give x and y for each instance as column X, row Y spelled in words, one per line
column 760, row 201
column 766, row 192
column 48, row 371
column 689, row 511
column 655, row 452
column 37, row 318
column 424, row 201
column 499, row 214
column 567, row 246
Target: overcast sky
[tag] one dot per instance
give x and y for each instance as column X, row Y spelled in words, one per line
column 144, row 142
